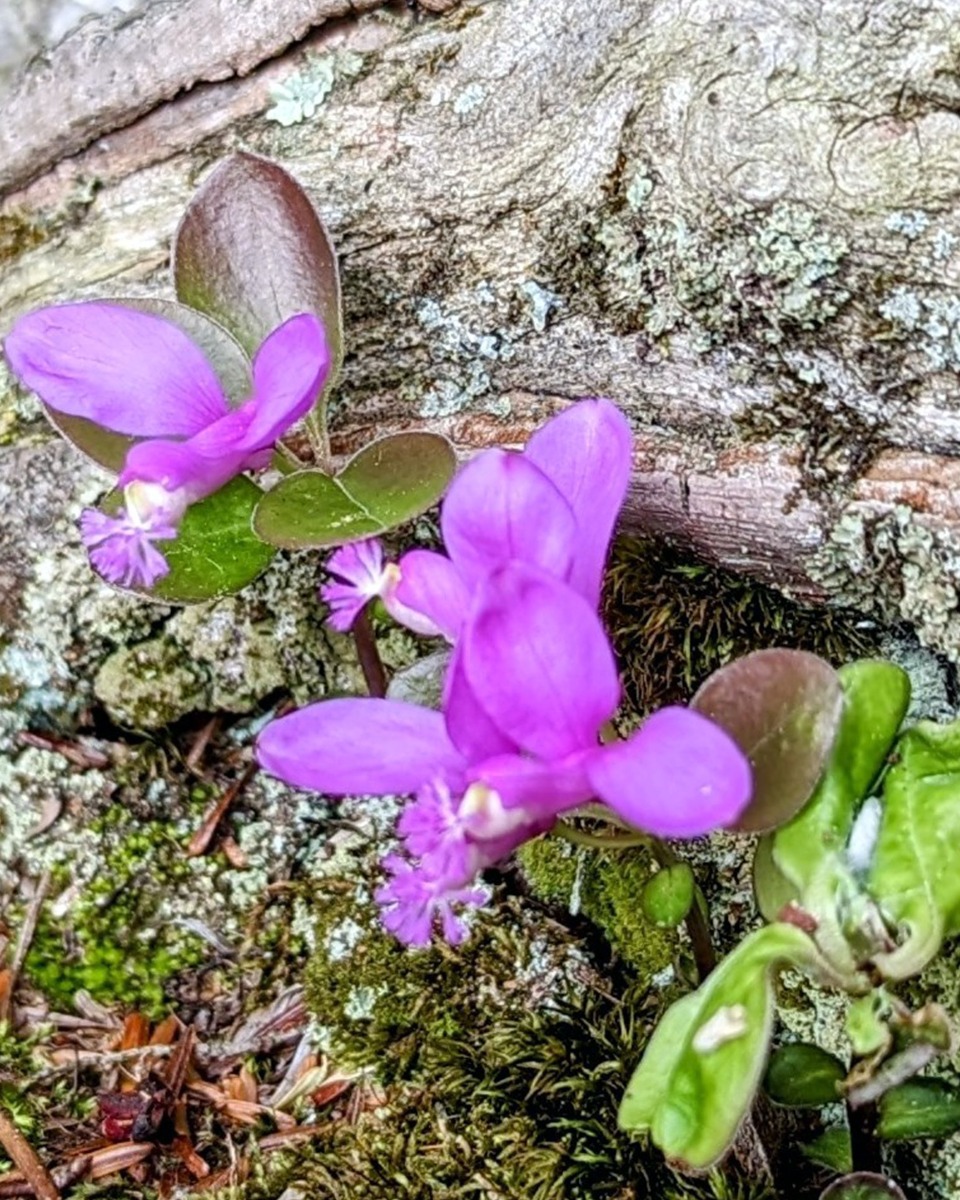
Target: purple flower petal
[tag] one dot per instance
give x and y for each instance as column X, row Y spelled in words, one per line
column 121, row 548
column 541, row 789
column 538, row 661
column 129, row 371
column 586, row 452
column 431, row 829
column 415, row 899
column 289, row 370
column 501, row 507
column 357, row 746
column 469, row 726
column 176, row 466
column 430, row 597
column 359, row 576
column 679, row 775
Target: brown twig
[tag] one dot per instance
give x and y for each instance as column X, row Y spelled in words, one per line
column 75, row 752
column 200, row 842
column 200, row 743
column 370, row 663
column 27, row 930
column 25, row 1159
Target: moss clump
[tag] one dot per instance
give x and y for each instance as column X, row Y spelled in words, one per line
column 673, row 621
column 605, row 887
column 18, row 234
column 113, row 941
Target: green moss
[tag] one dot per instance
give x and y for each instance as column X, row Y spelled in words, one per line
column 674, row 620
column 112, row 942
column 605, row 887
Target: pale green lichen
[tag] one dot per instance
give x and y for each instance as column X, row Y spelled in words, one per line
column 298, row 97
column 888, row 563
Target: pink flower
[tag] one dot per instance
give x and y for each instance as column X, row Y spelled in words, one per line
column 138, row 374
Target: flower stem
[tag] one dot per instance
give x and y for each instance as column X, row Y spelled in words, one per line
column 369, row 656
column 600, row 841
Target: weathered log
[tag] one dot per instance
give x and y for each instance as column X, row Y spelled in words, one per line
column 739, row 219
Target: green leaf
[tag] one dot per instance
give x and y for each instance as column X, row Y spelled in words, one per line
column 864, row 1185
column 867, row 1023
column 831, row 1149
column 803, row 1075
column 385, row 484
column 215, row 552
column 224, row 352
column 772, row 890
column 251, row 251
column 782, row 707
column 875, row 699
column 915, row 874
column 667, row 896
column 703, row 1064
column 919, row 1108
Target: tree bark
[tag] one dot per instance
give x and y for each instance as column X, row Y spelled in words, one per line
column 738, row 218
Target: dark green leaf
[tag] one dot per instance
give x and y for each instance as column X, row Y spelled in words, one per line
column 667, row 896
column 919, row 1108
column 803, row 1075
column 782, row 707
column 382, row 486
column 702, row 1066
column 251, row 251
column 862, row 1186
column 875, row 699
column 215, row 552
column 915, row 874
column 831, row 1149
column 225, row 354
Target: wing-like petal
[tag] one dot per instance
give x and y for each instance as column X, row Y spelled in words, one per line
column 129, row 371
column 537, row 659
column 469, row 726
column 289, row 370
column 430, row 597
column 358, row 746
column 679, row 775
column 501, row 507
column 586, row 452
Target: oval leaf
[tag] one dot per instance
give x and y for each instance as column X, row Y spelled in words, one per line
column 226, row 355
column 803, row 1075
column 401, row 476
column 385, row 484
column 667, row 896
column 782, row 707
column 875, row 699
column 702, row 1066
column 864, row 1185
column 251, row 251
column 915, row 874
column 215, row 552
column 919, row 1108
column 772, row 890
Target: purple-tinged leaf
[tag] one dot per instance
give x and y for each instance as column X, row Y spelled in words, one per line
column 863, row 1185
column 783, row 709
column 251, row 251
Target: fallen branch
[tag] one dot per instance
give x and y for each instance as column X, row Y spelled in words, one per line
column 25, row 1159
column 115, row 69
column 28, row 929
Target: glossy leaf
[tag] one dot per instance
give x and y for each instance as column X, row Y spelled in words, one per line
column 803, row 1075
column 782, row 707
column 915, row 875
column 703, row 1064
column 385, row 484
column 863, row 1185
column 667, row 896
column 224, row 352
column 251, row 251
column 215, row 553
column 919, row 1108
column 831, row 1149
column 875, row 699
